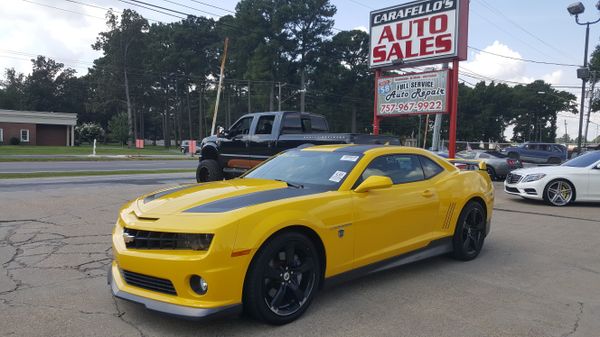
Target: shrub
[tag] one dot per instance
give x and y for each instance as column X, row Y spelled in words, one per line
column 87, row 132
column 15, row 141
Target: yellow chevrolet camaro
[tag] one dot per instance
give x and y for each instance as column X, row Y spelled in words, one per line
column 267, row 241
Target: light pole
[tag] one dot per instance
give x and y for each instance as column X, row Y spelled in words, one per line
column 583, row 73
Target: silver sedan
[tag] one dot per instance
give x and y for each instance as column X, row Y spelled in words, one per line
column 498, row 164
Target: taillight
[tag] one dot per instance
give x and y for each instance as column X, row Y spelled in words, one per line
column 513, row 162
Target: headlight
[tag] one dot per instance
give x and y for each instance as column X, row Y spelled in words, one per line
column 533, row 177
column 194, row 241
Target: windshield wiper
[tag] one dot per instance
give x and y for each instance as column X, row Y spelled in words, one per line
column 291, row 184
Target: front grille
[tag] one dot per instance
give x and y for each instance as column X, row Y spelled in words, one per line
column 513, row 178
column 140, row 239
column 149, row 282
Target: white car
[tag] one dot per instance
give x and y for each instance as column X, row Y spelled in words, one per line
column 577, row 179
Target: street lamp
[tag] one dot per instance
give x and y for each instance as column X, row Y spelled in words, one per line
column 576, row 9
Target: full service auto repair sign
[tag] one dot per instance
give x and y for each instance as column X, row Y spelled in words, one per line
column 419, row 32
column 413, row 94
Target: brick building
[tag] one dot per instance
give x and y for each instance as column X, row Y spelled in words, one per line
column 37, row 127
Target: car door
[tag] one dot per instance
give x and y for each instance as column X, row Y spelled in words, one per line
column 262, row 143
column 398, row 219
column 594, row 183
column 234, row 148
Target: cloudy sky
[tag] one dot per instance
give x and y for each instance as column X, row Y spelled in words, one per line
column 540, row 30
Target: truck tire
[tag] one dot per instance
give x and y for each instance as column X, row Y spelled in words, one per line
column 208, row 170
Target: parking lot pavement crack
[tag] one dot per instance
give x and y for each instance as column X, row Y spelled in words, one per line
column 544, row 214
column 120, row 315
column 577, row 319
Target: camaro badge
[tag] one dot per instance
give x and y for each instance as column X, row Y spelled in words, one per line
column 128, row 238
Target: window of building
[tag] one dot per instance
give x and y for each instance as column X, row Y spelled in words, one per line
column 25, row 135
column 1, row 135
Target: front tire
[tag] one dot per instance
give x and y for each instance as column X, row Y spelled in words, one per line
column 492, row 173
column 208, row 170
column 559, row 192
column 470, row 232
column 282, row 279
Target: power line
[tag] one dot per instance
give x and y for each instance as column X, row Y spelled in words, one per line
column 525, row 60
column 213, row 6
column 493, row 9
column 185, row 6
column 103, row 8
column 154, row 10
column 62, row 9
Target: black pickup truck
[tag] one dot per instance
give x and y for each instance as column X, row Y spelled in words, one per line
column 257, row 136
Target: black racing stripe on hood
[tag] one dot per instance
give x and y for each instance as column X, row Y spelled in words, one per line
column 167, row 192
column 230, row 204
column 357, row 148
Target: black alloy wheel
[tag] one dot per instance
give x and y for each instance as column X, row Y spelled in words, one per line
column 470, row 232
column 283, row 279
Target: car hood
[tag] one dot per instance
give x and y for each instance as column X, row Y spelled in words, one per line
column 549, row 170
column 215, row 197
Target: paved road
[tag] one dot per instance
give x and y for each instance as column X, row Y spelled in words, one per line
column 538, row 275
column 113, row 165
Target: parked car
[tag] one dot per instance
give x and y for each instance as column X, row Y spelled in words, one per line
column 257, row 136
column 498, row 164
column 267, row 241
column 540, row 153
column 575, row 180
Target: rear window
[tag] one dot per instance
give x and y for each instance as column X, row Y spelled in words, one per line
column 291, row 123
column 319, row 124
column 496, row 154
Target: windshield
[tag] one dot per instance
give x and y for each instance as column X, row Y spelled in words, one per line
column 308, row 168
column 584, row 160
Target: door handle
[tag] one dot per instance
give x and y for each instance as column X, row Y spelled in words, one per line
column 427, row 194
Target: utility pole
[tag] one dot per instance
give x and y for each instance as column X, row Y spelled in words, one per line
column 187, row 98
column 280, row 85
column 200, row 113
column 214, row 121
column 249, row 106
column 587, row 123
column 302, row 91
column 566, row 132
column 271, row 94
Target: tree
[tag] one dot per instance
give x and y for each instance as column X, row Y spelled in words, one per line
column 118, row 130
column 124, row 43
column 12, row 95
column 87, row 132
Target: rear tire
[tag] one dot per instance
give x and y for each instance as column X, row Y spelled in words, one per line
column 492, row 173
column 470, row 232
column 282, row 279
column 208, row 170
column 554, row 161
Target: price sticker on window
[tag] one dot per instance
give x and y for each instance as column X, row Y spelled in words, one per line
column 337, row 176
column 349, row 158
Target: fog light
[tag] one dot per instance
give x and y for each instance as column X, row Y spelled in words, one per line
column 198, row 284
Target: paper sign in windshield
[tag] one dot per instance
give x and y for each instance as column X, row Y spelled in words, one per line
column 349, row 158
column 337, row 176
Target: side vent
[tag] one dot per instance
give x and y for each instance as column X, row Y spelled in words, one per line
column 449, row 216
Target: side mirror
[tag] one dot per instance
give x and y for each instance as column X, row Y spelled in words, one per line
column 597, row 167
column 374, row 183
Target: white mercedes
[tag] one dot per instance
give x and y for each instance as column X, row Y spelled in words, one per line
column 575, row 180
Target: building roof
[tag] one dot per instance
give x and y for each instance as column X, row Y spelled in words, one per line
column 38, row 117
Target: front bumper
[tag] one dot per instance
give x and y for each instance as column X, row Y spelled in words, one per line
column 529, row 190
column 168, row 308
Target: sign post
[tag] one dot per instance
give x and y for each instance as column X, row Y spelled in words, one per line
column 422, row 32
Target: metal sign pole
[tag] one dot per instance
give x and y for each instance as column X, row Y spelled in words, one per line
column 375, row 116
column 453, row 110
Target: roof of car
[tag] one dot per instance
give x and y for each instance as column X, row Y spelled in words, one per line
column 362, row 148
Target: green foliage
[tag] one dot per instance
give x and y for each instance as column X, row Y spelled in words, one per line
column 87, row 132
column 14, row 141
column 118, row 129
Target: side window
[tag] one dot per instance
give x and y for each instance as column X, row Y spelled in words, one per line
column 265, row 125
column 242, row 127
column 306, row 125
column 484, row 155
column 530, row 147
column 400, row 168
column 319, row 124
column 430, row 168
column 543, row 147
column 291, row 123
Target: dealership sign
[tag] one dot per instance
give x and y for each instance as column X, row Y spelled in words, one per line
column 423, row 93
column 419, row 32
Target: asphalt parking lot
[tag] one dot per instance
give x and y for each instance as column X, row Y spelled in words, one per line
column 538, row 275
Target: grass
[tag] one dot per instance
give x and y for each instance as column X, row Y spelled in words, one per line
column 87, row 173
column 7, row 150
